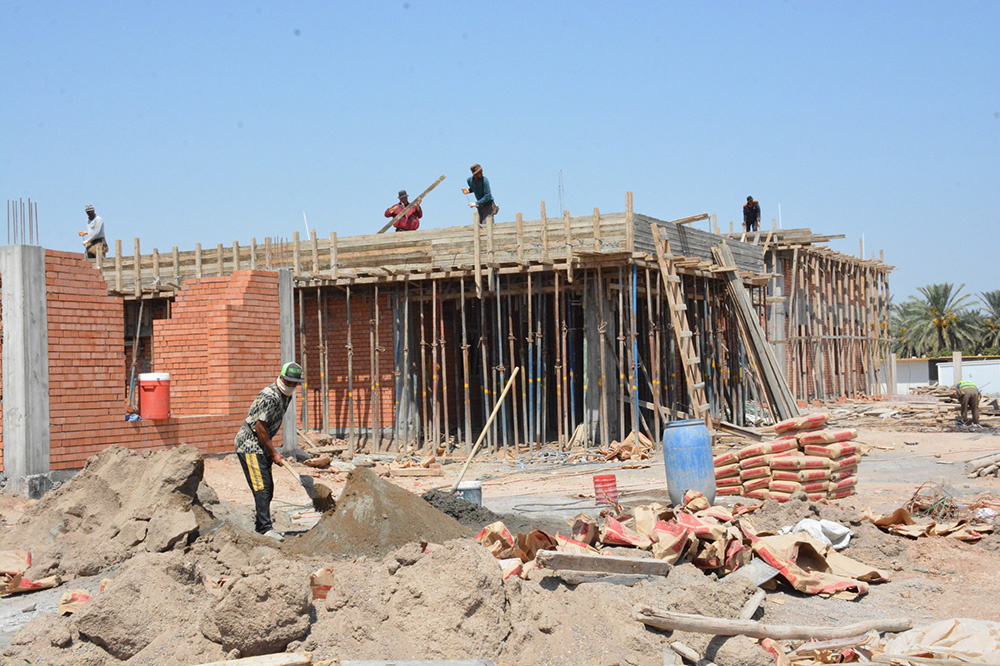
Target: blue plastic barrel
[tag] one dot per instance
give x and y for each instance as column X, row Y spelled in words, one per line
column 687, row 456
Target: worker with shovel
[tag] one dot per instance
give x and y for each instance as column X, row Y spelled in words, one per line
column 255, row 446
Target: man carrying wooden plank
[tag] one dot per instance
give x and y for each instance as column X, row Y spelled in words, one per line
column 479, row 186
column 254, row 445
column 968, row 397
column 410, row 221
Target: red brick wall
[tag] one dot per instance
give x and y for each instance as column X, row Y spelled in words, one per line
column 335, row 336
column 221, row 347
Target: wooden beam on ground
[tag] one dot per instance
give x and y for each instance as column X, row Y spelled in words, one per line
column 718, row 626
column 551, row 559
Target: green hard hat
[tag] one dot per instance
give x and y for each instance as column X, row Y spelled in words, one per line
column 292, row 372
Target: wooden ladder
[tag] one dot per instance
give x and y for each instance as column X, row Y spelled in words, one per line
column 682, row 330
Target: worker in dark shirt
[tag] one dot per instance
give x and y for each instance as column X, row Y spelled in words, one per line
column 479, row 186
column 751, row 215
column 255, row 443
column 411, row 220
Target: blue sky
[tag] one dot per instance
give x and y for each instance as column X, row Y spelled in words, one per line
column 209, row 122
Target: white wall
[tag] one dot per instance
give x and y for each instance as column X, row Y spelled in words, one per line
column 912, row 372
column 984, row 373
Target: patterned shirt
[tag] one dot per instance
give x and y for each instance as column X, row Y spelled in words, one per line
column 269, row 407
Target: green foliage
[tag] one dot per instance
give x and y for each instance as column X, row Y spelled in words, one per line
column 939, row 321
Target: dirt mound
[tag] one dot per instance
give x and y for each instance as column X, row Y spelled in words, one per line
column 119, row 504
column 372, row 518
column 447, row 604
column 262, row 612
column 470, row 514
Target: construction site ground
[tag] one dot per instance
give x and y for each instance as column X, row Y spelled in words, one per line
column 932, row 578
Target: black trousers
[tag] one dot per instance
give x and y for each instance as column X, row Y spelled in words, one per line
column 257, row 470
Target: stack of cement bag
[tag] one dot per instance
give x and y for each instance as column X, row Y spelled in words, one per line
column 820, row 461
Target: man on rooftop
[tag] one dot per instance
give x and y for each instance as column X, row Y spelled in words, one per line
column 479, row 186
column 93, row 237
column 751, row 215
column 411, row 220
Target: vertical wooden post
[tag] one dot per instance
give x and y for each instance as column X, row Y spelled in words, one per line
column 118, row 266
column 629, row 232
column 435, row 367
column 567, row 231
column 376, row 379
column 236, row 256
column 296, row 257
column 175, row 258
column 156, row 268
column 597, row 233
column 479, row 259
column 444, row 370
column 351, row 433
column 520, row 239
column 197, row 260
column 334, row 268
column 545, row 234
column 218, row 259
column 305, row 356
column 137, row 267
column 253, row 254
column 315, row 254
column 465, row 373
column 491, row 254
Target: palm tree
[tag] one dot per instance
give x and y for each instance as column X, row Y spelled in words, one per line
column 991, row 318
column 940, row 321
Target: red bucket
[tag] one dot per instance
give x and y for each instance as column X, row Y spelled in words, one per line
column 605, row 488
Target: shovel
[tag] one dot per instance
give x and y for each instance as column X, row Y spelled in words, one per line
column 321, row 495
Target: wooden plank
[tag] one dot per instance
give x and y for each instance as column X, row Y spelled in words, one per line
column 551, row 559
column 690, row 219
column 569, row 246
column 118, row 265
column 136, row 270
column 279, row 659
column 520, row 239
column 668, row 620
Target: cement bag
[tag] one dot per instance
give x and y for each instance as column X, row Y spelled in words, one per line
column 958, row 639
column 845, row 462
column 841, row 494
column 849, row 482
column 837, row 450
column 756, row 461
column 725, row 459
column 842, row 474
column 497, row 539
column 824, row 531
column 14, row 561
column 827, row 436
column 755, row 473
column 784, row 486
column 779, row 496
column 729, row 482
column 760, row 493
column 801, row 475
column 815, row 487
column 584, row 529
column 72, row 601
column 567, row 545
column 613, row 533
column 729, row 490
column 807, row 422
column 727, row 471
column 757, row 484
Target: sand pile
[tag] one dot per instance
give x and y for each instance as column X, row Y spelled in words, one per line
column 372, row 518
column 447, row 604
column 119, row 504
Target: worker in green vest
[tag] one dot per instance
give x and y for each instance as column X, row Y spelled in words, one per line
column 968, row 397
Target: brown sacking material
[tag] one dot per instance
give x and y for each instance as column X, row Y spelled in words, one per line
column 121, row 503
column 372, row 518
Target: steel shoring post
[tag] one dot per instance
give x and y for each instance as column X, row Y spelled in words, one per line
column 654, row 362
column 465, row 374
column 373, row 369
column 563, row 310
column 556, row 319
column 513, row 363
column 500, row 367
column 540, row 366
column 424, row 429
column 444, row 372
column 602, row 329
column 572, row 373
column 351, row 435
column 435, row 369
column 302, row 350
column 487, row 406
column 405, row 401
column 621, row 354
column 532, row 401
column 634, row 369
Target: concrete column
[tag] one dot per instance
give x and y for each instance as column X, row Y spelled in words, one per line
column 286, row 318
column 956, row 362
column 25, row 369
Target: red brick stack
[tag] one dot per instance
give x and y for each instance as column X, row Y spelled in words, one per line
column 807, row 456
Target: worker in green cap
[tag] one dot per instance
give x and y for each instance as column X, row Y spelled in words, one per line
column 255, row 443
column 968, row 397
